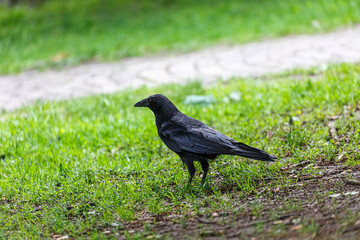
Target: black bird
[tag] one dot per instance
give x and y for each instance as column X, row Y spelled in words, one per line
column 191, row 139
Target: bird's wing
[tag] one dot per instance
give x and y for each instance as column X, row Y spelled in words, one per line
column 203, row 140
column 184, row 134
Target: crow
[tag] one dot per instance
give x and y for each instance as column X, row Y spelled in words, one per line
column 192, row 140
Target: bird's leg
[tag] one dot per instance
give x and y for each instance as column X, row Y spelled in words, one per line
column 205, row 167
column 191, row 169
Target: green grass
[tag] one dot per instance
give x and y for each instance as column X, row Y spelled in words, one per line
column 80, row 166
column 60, row 33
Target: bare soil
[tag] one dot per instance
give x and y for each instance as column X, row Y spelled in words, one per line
column 326, row 206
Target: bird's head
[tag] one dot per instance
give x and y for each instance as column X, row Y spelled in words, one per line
column 158, row 103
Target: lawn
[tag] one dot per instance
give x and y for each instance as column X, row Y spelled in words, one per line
column 61, row 33
column 94, row 167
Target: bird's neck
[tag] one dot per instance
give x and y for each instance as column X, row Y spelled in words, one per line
column 164, row 113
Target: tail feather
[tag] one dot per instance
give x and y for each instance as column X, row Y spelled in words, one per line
column 253, row 153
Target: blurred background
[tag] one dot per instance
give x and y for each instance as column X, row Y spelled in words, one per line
column 54, row 33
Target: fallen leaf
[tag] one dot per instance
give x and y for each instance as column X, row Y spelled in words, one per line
column 296, row 227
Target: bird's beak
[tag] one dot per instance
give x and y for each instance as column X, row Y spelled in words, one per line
column 142, row 103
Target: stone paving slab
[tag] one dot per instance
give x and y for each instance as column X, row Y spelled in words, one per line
column 208, row 65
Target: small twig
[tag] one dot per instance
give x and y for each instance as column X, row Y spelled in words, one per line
column 352, row 181
column 307, row 177
column 287, row 216
column 300, row 177
column 206, row 221
column 246, row 225
column 336, row 171
column 352, row 228
column 301, row 164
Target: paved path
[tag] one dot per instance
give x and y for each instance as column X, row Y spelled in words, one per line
column 247, row 60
